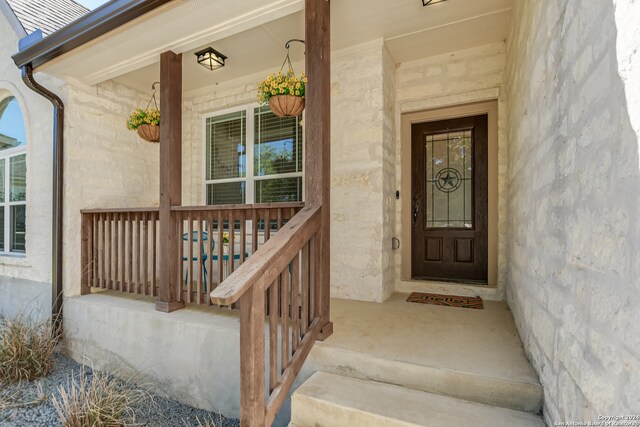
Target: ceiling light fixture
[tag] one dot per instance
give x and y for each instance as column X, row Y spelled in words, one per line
column 210, row 58
column 430, row 2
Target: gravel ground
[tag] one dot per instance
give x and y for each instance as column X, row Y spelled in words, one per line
column 30, row 404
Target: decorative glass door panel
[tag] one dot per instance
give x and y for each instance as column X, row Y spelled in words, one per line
column 449, row 175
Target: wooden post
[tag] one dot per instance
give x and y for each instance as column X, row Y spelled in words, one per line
column 86, row 259
column 170, row 179
column 252, row 358
column 318, row 140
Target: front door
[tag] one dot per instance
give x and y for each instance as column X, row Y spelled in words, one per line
column 449, row 199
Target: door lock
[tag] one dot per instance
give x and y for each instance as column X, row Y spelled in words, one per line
column 416, row 210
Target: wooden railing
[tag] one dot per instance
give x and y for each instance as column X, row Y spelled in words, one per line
column 119, row 250
column 270, row 267
column 120, row 246
column 222, row 238
column 277, row 286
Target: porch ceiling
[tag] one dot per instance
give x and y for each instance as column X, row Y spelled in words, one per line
column 253, row 39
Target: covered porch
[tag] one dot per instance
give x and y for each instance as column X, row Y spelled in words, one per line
column 151, row 237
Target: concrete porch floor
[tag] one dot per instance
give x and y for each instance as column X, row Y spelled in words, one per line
column 482, row 342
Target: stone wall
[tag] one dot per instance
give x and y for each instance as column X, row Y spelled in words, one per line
column 106, row 165
column 25, row 280
column 390, row 183
column 573, row 279
column 359, row 175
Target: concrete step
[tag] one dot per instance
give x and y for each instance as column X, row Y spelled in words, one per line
column 473, row 355
column 333, row 400
column 496, row 391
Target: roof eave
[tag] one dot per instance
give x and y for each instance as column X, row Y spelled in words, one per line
column 92, row 25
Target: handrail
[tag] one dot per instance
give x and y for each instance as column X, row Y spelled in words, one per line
column 118, row 210
column 253, row 206
column 264, row 266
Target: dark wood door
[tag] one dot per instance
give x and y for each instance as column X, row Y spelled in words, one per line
column 449, row 199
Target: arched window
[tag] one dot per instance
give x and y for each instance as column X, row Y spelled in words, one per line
column 13, row 177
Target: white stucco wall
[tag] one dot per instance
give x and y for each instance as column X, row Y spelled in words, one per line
column 456, row 78
column 106, row 165
column 190, row 355
column 25, row 280
column 573, row 283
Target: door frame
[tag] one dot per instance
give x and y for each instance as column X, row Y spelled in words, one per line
column 491, row 109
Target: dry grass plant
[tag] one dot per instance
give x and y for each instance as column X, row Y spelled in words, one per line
column 202, row 423
column 26, row 349
column 15, row 398
column 97, row 400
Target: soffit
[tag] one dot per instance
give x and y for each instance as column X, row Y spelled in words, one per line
column 253, row 38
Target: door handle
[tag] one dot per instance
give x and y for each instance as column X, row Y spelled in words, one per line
column 416, row 210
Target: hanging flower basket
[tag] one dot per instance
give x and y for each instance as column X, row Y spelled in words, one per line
column 284, row 92
column 286, row 105
column 149, row 133
column 146, row 122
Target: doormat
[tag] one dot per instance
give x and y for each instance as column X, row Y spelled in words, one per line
column 446, row 300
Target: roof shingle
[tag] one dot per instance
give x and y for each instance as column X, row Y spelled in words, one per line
column 47, row 15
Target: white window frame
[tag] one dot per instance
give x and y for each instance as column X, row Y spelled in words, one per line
column 250, row 178
column 6, row 156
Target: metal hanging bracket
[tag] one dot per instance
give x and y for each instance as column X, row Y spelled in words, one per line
column 287, row 59
column 153, row 96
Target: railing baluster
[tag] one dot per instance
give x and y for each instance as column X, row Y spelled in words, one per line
column 108, row 251
column 243, row 236
column 103, row 282
column 314, row 265
column 295, row 298
column 130, row 287
column 284, row 311
column 232, row 242
column 115, row 252
column 123, row 238
column 154, row 244
column 254, row 231
column 96, row 244
column 182, row 268
column 220, row 247
column 267, row 224
column 304, row 315
column 138, row 244
column 210, row 250
column 273, row 335
column 190, row 261
column 145, row 254
column 279, row 219
column 201, row 265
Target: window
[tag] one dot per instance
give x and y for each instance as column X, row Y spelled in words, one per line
column 13, row 178
column 253, row 156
